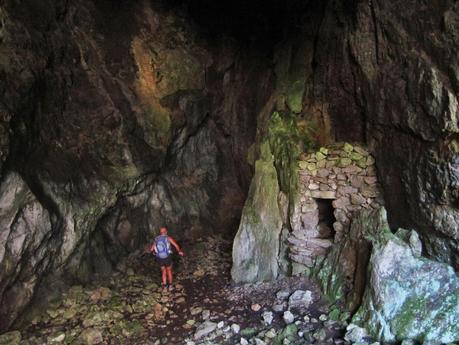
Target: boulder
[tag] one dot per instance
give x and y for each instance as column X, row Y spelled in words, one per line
column 300, row 300
column 408, row 296
column 398, row 294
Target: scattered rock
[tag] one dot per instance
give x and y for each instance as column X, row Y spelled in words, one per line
column 355, row 334
column 56, row 338
column 288, row 317
column 267, row 317
column 195, row 311
column 204, row 329
column 259, row 342
column 205, row 314
column 235, row 328
column 255, row 307
column 271, row 333
column 92, row 336
column 282, row 294
column 278, row 308
column 300, row 299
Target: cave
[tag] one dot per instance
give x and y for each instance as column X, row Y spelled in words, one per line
column 286, row 146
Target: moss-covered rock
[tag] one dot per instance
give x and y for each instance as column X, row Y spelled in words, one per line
column 256, row 245
column 399, row 294
column 408, row 296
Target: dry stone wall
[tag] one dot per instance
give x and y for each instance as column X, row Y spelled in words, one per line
column 342, row 178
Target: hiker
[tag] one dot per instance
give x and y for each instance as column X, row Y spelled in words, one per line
column 162, row 249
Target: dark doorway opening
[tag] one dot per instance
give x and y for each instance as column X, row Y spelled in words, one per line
column 326, row 218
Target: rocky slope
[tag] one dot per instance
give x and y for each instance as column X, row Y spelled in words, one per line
column 120, row 117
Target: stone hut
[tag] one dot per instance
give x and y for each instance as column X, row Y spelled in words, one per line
column 333, row 184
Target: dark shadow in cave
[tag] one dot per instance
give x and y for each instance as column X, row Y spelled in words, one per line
column 326, row 217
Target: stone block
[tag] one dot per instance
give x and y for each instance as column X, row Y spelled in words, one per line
column 309, row 206
column 320, row 156
column 323, row 150
column 313, row 186
column 357, row 181
column 361, row 151
column 341, row 177
column 323, row 194
column 357, row 199
column 344, row 162
column 310, row 217
column 356, row 156
column 323, row 172
column 321, row 164
column 341, row 202
column 352, row 169
column 311, row 166
column 303, row 165
column 320, row 179
column 346, row 190
column 348, row 147
column 324, row 187
column 369, row 191
column 307, row 261
column 339, row 227
column 330, row 163
column 318, row 242
column 362, row 163
column 370, row 179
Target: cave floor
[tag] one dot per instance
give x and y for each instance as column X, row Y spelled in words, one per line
column 203, row 308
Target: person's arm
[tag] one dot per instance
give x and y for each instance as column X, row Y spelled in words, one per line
column 153, row 248
column 172, row 241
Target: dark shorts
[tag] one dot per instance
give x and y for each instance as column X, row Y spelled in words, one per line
column 164, row 262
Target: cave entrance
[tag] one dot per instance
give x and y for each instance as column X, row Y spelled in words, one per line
column 326, row 217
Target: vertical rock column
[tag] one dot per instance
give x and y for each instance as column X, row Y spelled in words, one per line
column 257, row 242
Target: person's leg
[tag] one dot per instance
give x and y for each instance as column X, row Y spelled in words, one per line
column 169, row 274
column 164, row 275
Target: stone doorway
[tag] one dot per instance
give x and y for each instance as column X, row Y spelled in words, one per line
column 326, row 218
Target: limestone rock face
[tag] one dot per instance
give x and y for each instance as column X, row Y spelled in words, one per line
column 257, row 242
column 119, row 124
column 398, row 87
column 407, row 295
column 26, row 231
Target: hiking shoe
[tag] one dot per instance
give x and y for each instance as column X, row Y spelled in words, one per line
column 163, row 287
column 170, row 287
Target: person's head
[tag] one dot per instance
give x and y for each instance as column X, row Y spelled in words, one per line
column 163, row 230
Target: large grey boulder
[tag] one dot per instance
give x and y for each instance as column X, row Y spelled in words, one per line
column 400, row 295
column 257, row 242
column 407, row 296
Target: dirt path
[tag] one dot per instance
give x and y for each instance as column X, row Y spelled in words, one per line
column 203, row 307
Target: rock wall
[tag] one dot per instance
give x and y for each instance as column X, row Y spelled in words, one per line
column 117, row 124
column 387, row 74
column 120, row 117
